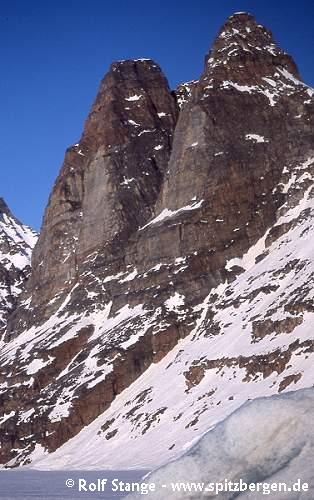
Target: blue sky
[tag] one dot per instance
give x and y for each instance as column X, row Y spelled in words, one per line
column 54, row 54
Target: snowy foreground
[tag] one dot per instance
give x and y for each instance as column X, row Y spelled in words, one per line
column 268, row 440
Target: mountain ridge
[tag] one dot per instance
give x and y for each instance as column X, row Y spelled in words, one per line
column 16, row 245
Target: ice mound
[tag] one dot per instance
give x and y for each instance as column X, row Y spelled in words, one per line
column 269, row 440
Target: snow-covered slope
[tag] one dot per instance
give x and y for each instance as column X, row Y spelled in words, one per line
column 269, row 441
column 254, row 338
column 16, row 244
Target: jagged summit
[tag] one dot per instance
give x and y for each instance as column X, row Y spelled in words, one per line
column 134, row 70
column 10, row 219
column 245, row 57
column 15, row 237
column 122, row 63
column 4, row 207
column 130, row 90
column 242, row 29
column 247, row 51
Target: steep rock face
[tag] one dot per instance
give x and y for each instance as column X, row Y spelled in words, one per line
column 110, row 180
column 133, row 268
column 239, row 129
column 16, row 245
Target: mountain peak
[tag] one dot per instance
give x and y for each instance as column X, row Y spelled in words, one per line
column 243, row 29
column 4, row 209
column 245, row 51
column 134, row 68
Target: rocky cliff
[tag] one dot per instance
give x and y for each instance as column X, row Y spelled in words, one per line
column 172, row 280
